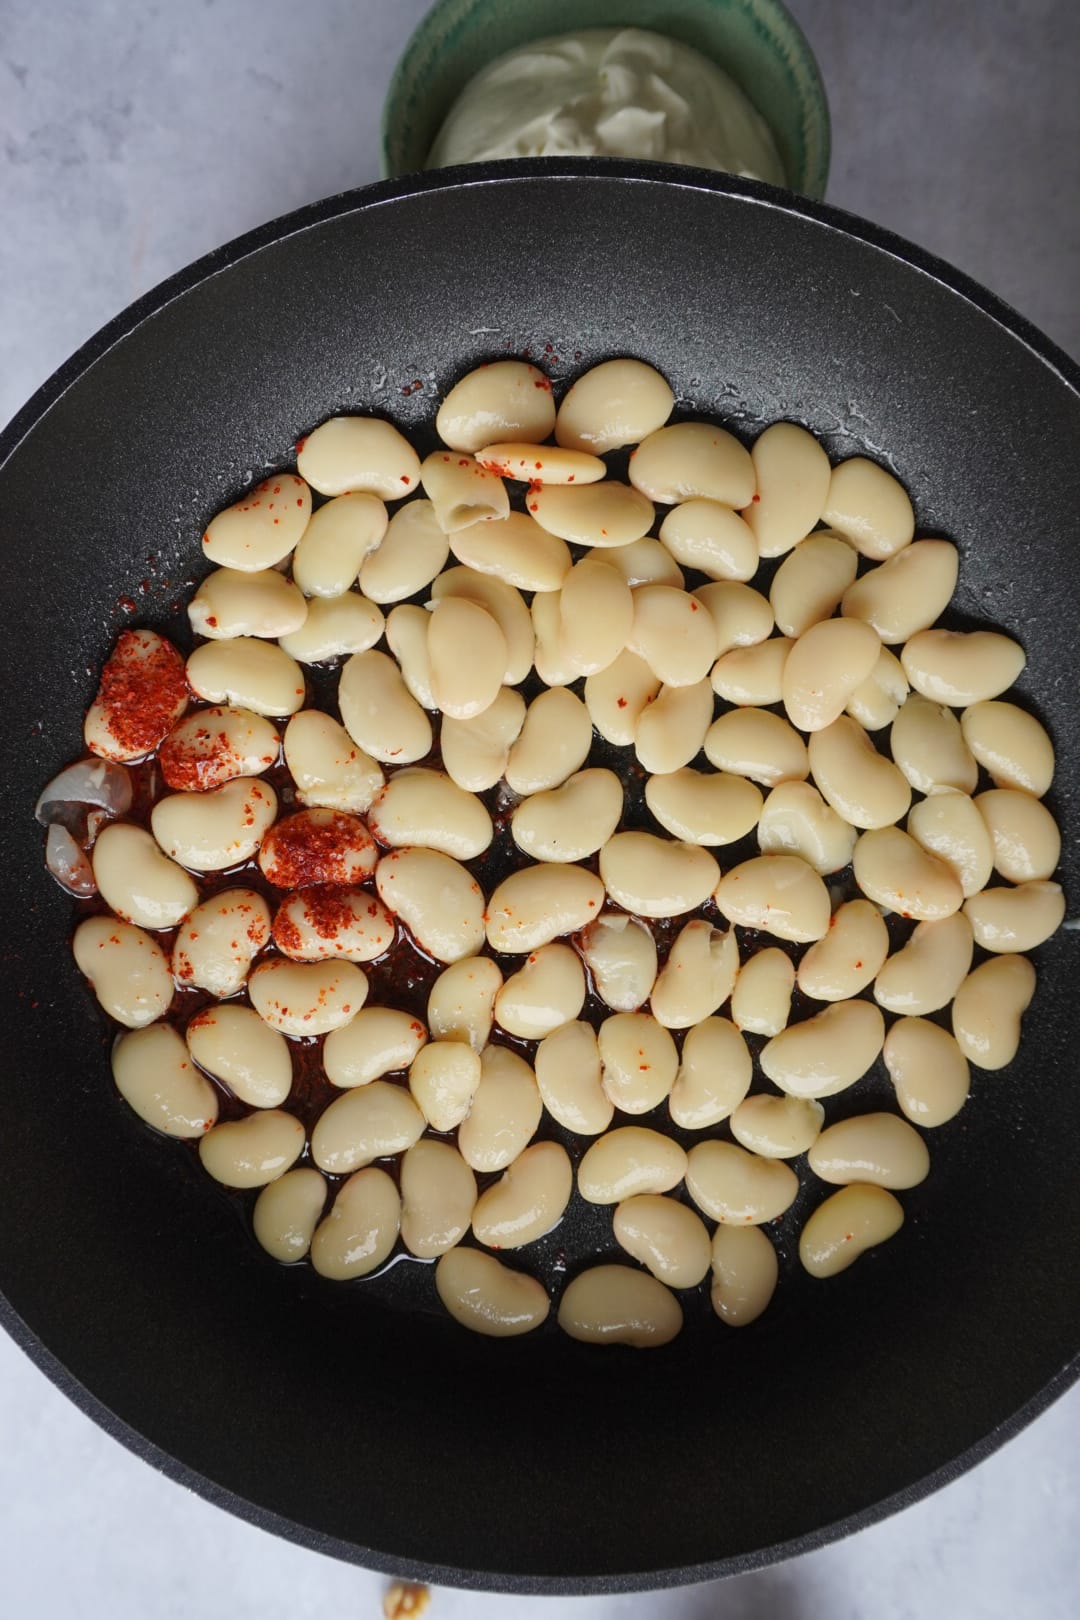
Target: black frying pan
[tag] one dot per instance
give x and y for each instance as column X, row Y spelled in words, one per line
column 355, row 1419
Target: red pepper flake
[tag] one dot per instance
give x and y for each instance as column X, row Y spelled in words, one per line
column 543, row 382
column 300, row 443
column 143, row 690
column 755, row 497
column 126, row 604
column 328, row 911
column 195, row 761
column 621, row 702
column 302, row 850
column 405, row 479
column 212, row 621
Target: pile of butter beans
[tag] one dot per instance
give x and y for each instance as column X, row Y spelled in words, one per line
column 493, row 611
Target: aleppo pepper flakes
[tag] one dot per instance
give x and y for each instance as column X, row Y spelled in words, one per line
column 143, row 690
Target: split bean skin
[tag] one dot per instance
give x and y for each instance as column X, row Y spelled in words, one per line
column 698, row 977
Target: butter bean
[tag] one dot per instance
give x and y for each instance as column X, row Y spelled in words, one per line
column 928, row 1069
column 330, row 770
column 752, row 676
column 596, row 616
column 672, row 728
column 620, row 954
column 961, row 667
column 369, row 1123
column 336, row 541
column 436, row 898
column 569, row 822
column 949, row 825
column 869, row 507
column 508, row 398
column 552, row 744
column 846, row 1225
column 248, row 674
column 424, row 807
column 744, row 1272
column 780, row 894
column 741, row 616
column 627, row 1162
column 907, row 592
column 253, row 1151
column 698, row 977
column 461, row 491
column 711, row 538
column 761, row 999
column 156, row 1077
column 527, row 1201
column 672, row 632
column 928, row 746
column 777, row 1127
column 891, row 868
column 638, row 1059
column 757, row 744
column 876, row 703
column 361, row 1228
column 137, row 881
column 657, row 877
column 506, row 607
column 230, row 602
column 987, row 1009
column 540, row 463
column 334, row 627
column 127, row 970
column 599, row 515
column 219, row 940
column 505, row 1111
column 642, row 562
column 213, row 746
column 408, row 557
column 359, row 453
column 547, row 991
column 407, row 637
column 792, row 473
column 616, row 403
column 488, row 1297
column 443, row 1078
column 537, row 904
column 809, row 584
column 379, row 712
column 438, row 1196
column 234, row 1045
column 795, row 819
column 666, row 1237
column 210, row 831
column 714, row 1075
column 826, row 1053
column 323, row 922
column 306, row 998
column 516, row 550
column 926, row 974
column 849, row 956
column 475, row 752
column 825, row 666
column 731, row 1185
column 1016, row 919
column 461, row 1003
column 858, row 782
column 568, row 1076
column 553, row 663
column 616, row 1305
column 141, row 695
column 1025, row 841
column 378, row 1041
column 1011, row 745
column 691, row 459
column 876, row 1148
column 317, row 846
column 287, row 1212
column 262, row 527
column 703, row 807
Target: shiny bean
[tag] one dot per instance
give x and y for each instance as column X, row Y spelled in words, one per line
column 317, row 846
column 498, row 400
column 569, row 822
column 248, row 674
column 222, row 827
column 960, row 667
column 219, row 940
column 156, row 1077
column 673, row 633
column 407, row 629
column 744, row 1273
column 691, row 459
column 757, row 744
column 379, row 712
column 323, row 922
column 461, row 1002
column 1016, row 919
column 462, row 492
column 425, row 807
column 568, row 1076
column 137, row 881
column 620, row 954
column 672, row 728
column 596, row 616
column 642, row 562
column 779, row 894
column 253, row 1151
column 796, row 820
column 554, row 665
column 666, row 1237
column 627, row 1162
column 287, row 1212
column 334, row 627
column 516, row 550
column 638, row 1060
column 869, row 507
column 231, row 603
column 926, row 974
column 598, row 515
column 859, row 783
column 488, row 1297
column 876, row 1148
column 306, row 998
column 359, row 453
column 505, row 1111
column 846, row 1225
column 1025, row 841
column 792, row 473
column 552, row 744
column 810, row 583
column 1011, row 745
column 752, row 676
column 547, row 991
column 234, row 1045
column 711, row 538
column 761, row 999
column 127, row 970
column 540, row 463
column 215, row 745
column 538, row 903
column 657, row 877
column 777, row 1127
column 378, row 1041
column 907, row 592
column 825, row 666
column 262, row 527
column 361, row 1228
column 617, row 1305
column 733, row 1186
column 335, row 543
column 438, row 1196
column 891, row 868
column 949, row 825
column 475, row 752
column 616, row 403
column 506, row 607
column 436, row 898
column 876, row 703
column 330, row 770
column 826, row 1053
column 408, row 557
column 849, row 956
column 714, row 1075
column 443, row 1078
column 368, row 1123
column 741, row 616
column 527, row 1201
column 928, row 746
column 987, row 1009
column 928, row 1069
column 703, row 807
column 698, row 976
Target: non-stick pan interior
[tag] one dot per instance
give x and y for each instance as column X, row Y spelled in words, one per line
column 354, row 1418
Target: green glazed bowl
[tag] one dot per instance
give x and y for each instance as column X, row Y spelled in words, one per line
column 757, row 42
